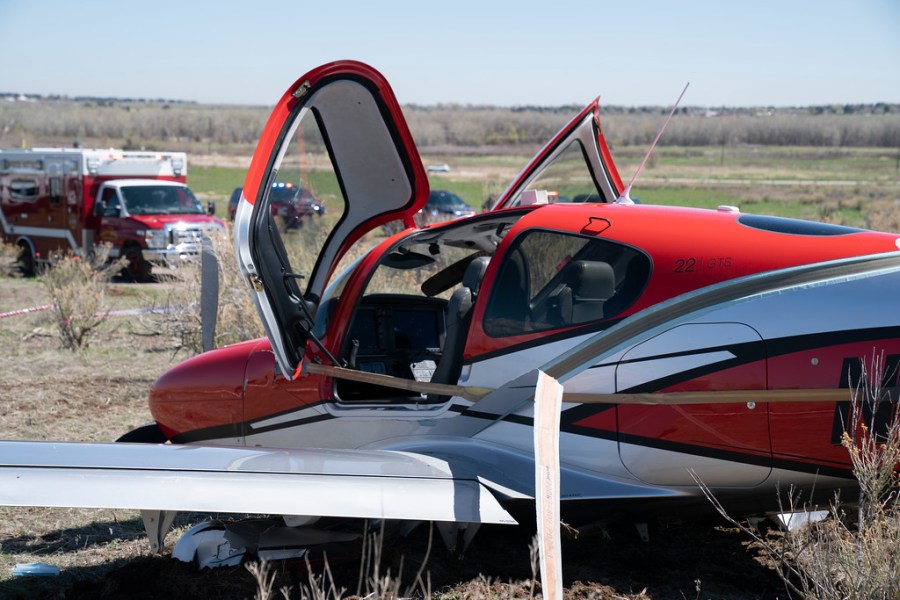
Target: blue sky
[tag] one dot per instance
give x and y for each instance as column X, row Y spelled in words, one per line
column 787, row 52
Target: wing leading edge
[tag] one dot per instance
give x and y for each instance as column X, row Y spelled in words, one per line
column 373, row 484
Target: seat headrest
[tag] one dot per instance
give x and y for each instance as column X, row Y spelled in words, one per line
column 474, row 273
column 592, row 280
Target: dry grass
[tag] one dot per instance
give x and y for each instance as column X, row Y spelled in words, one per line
column 374, row 578
column 49, row 393
column 215, row 128
column 884, row 215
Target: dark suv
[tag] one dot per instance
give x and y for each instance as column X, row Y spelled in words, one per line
column 443, row 205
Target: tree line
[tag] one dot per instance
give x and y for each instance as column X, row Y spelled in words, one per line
column 468, row 129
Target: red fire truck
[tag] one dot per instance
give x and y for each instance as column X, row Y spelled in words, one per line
column 55, row 200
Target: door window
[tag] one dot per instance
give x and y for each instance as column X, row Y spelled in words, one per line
column 551, row 280
column 23, row 190
column 111, row 204
column 305, row 177
column 55, row 190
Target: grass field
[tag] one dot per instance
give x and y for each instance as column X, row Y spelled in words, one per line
column 216, row 183
column 838, row 185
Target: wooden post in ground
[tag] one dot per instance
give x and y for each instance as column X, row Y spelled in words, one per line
column 209, row 293
column 547, row 405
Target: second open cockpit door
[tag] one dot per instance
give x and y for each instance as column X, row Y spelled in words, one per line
column 574, row 166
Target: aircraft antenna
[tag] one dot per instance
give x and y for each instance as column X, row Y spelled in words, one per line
column 625, row 198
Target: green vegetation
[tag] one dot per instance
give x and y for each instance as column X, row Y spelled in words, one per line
column 692, row 197
column 841, row 186
column 798, row 207
column 765, row 162
column 215, row 183
column 474, row 192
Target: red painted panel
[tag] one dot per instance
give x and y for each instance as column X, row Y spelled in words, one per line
column 727, row 427
column 203, row 391
column 600, row 421
column 270, row 394
column 810, row 431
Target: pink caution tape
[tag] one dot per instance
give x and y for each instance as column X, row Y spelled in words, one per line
column 25, row 311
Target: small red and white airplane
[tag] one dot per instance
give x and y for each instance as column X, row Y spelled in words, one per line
column 397, row 381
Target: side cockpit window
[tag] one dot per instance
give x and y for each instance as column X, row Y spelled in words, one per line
column 553, row 280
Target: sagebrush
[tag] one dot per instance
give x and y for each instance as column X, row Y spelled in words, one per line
column 77, row 288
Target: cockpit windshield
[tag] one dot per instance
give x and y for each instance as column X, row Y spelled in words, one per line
column 161, row 200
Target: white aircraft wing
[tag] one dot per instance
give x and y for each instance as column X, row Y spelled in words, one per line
column 373, row 484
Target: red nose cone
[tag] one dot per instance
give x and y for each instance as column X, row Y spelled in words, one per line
column 202, row 393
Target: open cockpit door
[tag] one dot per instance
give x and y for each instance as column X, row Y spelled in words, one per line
column 335, row 161
column 575, row 166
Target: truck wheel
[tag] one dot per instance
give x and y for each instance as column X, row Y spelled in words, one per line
column 26, row 260
column 148, row 434
column 137, row 269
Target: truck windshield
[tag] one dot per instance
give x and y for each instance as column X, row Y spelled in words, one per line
column 160, row 200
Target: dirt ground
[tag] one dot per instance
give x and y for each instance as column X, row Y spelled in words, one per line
column 48, row 393
column 687, row 561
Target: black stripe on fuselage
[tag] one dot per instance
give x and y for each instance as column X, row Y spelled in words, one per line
column 744, row 353
column 245, row 428
column 570, row 418
column 749, row 352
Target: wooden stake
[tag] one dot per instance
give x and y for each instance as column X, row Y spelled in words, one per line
column 547, row 405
